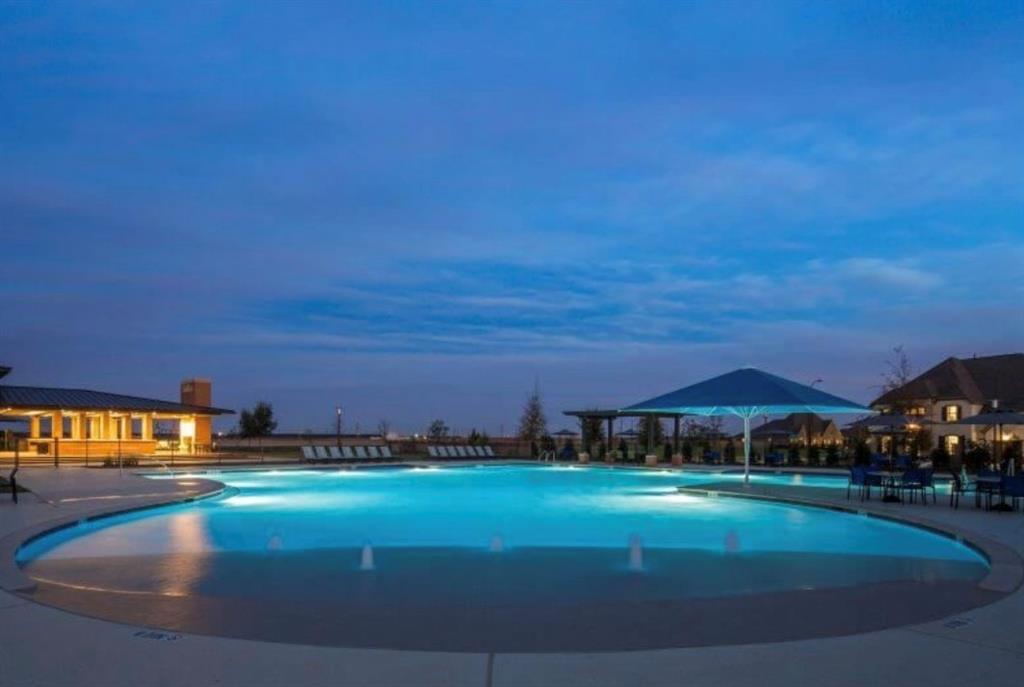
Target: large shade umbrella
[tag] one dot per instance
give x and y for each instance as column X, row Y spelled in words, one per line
column 995, row 418
column 564, row 433
column 747, row 393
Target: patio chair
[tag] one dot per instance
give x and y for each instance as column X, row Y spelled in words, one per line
column 361, row 453
column 960, row 485
column 371, row 453
column 774, row 459
column 449, row 451
column 348, row 453
column 321, row 453
column 927, row 482
column 334, row 452
column 385, row 453
column 872, row 479
column 1013, row 488
column 432, row 452
column 308, row 454
column 858, row 478
column 902, row 462
column 461, row 451
column 912, row 481
column 488, row 451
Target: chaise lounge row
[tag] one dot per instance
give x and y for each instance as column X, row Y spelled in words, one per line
column 460, row 452
column 326, row 454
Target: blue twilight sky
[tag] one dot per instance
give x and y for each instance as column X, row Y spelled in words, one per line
column 418, row 209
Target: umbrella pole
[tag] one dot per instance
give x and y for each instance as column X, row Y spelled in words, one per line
column 746, row 449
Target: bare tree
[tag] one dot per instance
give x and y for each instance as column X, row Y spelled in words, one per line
column 898, row 370
column 383, row 429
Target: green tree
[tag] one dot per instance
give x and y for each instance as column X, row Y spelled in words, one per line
column 533, row 425
column 437, row 430
column 257, row 423
column 593, row 431
column 649, row 424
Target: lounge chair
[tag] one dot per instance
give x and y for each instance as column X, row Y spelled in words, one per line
column 460, row 451
column 477, row 451
column 347, row 453
column 321, row 453
column 385, row 452
column 488, row 451
column 308, row 454
column 361, row 453
column 449, row 451
column 432, row 452
column 334, row 452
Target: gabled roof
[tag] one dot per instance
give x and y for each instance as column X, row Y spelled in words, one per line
column 794, row 423
column 978, row 380
column 47, row 398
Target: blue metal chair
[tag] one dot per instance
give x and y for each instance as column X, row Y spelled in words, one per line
column 858, row 478
column 912, row 481
column 1012, row 488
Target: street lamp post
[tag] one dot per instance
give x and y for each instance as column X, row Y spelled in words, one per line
column 337, row 429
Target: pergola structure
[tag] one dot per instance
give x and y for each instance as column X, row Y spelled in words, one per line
column 609, row 416
column 80, row 422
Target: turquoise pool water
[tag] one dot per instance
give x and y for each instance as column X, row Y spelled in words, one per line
column 487, row 534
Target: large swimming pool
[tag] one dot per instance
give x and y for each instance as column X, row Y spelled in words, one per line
column 484, row 540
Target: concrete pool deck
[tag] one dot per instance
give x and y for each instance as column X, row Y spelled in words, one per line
column 46, row 646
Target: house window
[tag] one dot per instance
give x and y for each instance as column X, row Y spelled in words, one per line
column 950, row 413
column 951, row 442
column 917, row 410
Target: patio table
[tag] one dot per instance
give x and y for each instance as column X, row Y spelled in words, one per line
column 890, row 485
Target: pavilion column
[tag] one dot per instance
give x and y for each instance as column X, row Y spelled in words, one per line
column 147, row 427
column 33, row 427
column 76, row 426
column 107, row 426
column 675, row 435
column 126, row 427
column 57, row 425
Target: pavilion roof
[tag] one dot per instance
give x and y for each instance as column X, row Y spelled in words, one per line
column 14, row 398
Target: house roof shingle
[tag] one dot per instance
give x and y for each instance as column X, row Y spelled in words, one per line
column 978, row 380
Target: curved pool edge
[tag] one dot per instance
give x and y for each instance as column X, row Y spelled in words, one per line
column 1006, row 567
column 1005, row 575
column 13, row 580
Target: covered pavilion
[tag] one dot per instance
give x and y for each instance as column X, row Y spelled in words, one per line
column 609, row 417
column 82, row 422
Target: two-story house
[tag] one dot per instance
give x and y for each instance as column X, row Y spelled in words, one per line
column 958, row 388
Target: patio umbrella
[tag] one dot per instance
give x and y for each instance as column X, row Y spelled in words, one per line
column 891, row 424
column 747, row 393
column 996, row 418
column 564, row 433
